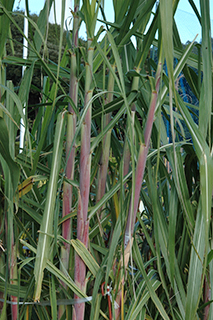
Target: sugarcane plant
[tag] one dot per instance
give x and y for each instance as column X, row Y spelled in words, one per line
column 112, row 130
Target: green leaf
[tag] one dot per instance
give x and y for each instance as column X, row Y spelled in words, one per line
column 209, row 257
column 205, row 105
column 137, row 305
column 153, row 295
column 173, row 210
column 196, row 266
column 85, row 255
column 43, row 250
column 166, row 12
column 5, row 153
column 53, row 299
column 55, row 271
column 4, row 24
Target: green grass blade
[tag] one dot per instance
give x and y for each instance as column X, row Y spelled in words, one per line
column 46, row 228
column 5, row 153
column 205, row 105
column 117, row 62
column 173, row 209
column 53, row 298
column 166, row 13
column 97, row 307
column 41, row 26
column 183, row 60
column 4, row 25
column 196, row 266
column 108, row 195
column 153, row 295
column 113, row 247
column 139, row 304
column 55, row 271
column 85, row 255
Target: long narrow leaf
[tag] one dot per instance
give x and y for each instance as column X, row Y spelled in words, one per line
column 43, row 250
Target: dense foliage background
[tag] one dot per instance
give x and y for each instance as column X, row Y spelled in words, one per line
column 106, row 211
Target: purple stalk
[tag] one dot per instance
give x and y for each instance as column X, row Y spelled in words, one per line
column 140, row 169
column 70, row 156
column 80, row 267
column 71, row 127
column 2, row 260
column 138, row 182
column 67, row 189
column 206, row 298
column 85, row 164
column 12, row 261
column 12, row 250
column 142, row 160
column 102, row 172
column 13, row 277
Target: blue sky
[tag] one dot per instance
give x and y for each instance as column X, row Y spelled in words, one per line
column 187, row 22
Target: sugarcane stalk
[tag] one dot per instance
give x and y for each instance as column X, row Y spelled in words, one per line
column 140, row 169
column 126, row 163
column 70, row 152
column 13, row 279
column 141, row 163
column 85, row 164
column 103, row 166
column 2, row 261
column 11, row 246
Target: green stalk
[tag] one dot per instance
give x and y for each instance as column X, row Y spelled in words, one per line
column 85, row 161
